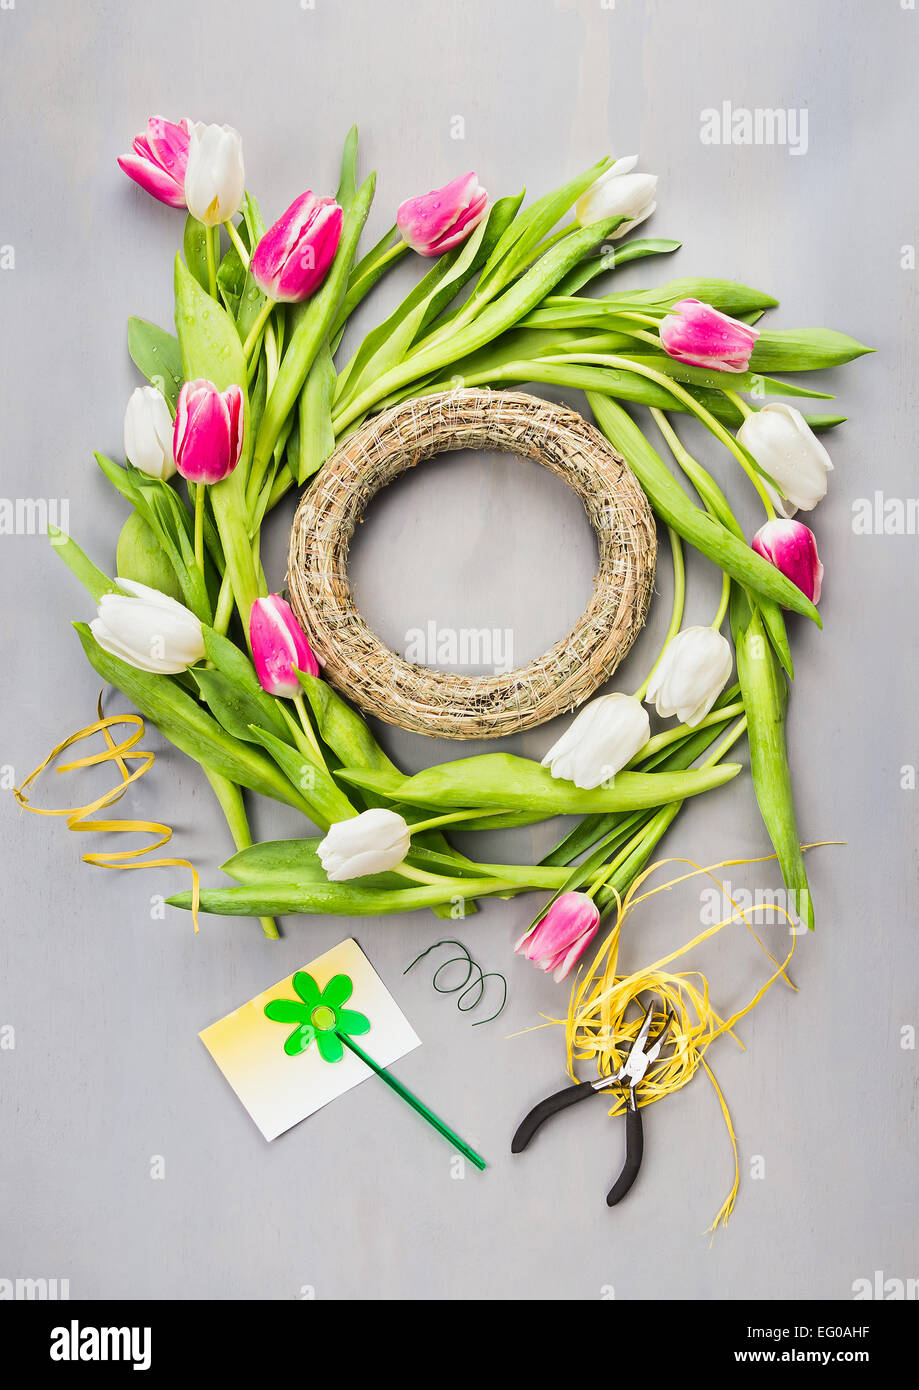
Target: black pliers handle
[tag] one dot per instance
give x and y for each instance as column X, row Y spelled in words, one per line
column 627, row 1078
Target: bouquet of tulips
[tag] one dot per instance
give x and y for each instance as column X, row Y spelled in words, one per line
column 247, row 400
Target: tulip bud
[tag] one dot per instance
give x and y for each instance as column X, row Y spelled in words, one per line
column 784, row 445
column 690, row 675
column 292, row 258
column 148, row 433
column 618, row 193
column 559, row 940
column 148, row 629
column 159, row 160
column 370, row 843
column 792, row 548
column 215, row 178
column 208, row 433
column 701, row 336
column 279, row 647
column 604, row 736
column 437, row 221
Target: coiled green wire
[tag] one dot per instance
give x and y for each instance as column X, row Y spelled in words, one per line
column 467, row 983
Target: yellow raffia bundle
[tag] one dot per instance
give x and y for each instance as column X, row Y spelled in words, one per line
column 601, row 1026
column 81, row 817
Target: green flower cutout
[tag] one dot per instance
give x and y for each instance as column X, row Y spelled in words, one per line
column 318, row 1014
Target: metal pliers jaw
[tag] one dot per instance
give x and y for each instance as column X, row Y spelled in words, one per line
column 627, row 1078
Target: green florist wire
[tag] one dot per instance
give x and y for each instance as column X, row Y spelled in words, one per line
column 467, row 983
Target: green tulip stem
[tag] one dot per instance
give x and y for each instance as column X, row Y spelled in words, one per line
column 417, row 875
column 308, row 730
column 392, row 253
column 746, row 411
column 210, row 252
column 723, row 605
column 649, row 832
column 418, row 1106
column 272, row 359
column 237, row 242
column 689, row 401
column 199, row 526
column 681, row 731
column 224, row 610
column 676, row 615
column 255, row 332
column 727, row 743
column 234, row 809
column 651, row 338
column 609, row 869
column 451, row 817
column 740, row 403
column 714, row 499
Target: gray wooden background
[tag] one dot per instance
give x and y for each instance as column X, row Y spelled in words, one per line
column 103, row 1083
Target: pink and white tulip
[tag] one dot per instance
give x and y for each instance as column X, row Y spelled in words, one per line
column 159, row 159
column 563, row 935
column 437, row 221
column 293, row 256
column 208, row 434
column 279, row 647
column 792, row 548
column 701, row 336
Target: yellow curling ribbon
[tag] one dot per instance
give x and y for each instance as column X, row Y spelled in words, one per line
column 597, row 1026
column 80, row 817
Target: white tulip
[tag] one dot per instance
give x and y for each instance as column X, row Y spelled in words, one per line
column 370, row 843
column 785, row 447
column 148, row 629
column 690, row 675
column 618, row 193
column 603, row 737
column 215, row 178
column 148, row 433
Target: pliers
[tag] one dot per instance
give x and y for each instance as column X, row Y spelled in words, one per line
column 628, row 1078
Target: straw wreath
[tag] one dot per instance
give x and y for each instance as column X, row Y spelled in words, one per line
column 436, row 702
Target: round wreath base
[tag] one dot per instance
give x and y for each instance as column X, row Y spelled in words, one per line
column 436, row 702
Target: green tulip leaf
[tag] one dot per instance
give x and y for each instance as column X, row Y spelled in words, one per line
column 729, row 552
column 141, row 557
column 157, row 355
column 324, row 795
column 765, row 694
column 90, row 576
column 194, row 248
column 505, row 780
column 804, row 350
column 237, row 709
column 182, row 720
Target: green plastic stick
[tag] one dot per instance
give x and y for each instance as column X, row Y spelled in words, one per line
column 414, row 1102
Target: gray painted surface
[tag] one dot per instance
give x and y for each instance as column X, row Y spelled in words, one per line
column 107, row 1071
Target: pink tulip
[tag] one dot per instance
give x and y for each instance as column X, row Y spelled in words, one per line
column 207, row 437
column 563, row 935
column 436, row 222
column 292, row 258
column 792, row 548
column 279, row 648
column 159, row 160
column 701, row 336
